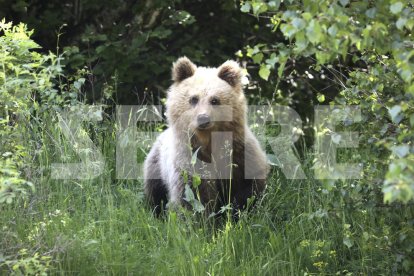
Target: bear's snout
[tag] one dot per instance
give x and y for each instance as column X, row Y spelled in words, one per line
column 203, row 121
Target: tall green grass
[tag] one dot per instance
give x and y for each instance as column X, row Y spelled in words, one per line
column 103, row 226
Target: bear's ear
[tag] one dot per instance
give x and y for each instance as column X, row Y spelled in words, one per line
column 182, row 69
column 230, row 72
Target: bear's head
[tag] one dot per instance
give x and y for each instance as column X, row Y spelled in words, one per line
column 202, row 100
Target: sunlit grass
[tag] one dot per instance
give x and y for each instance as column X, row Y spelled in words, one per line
column 102, row 226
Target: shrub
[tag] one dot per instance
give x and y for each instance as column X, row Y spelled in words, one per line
column 31, row 86
column 368, row 49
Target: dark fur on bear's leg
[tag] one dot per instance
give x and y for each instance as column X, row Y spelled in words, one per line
column 157, row 195
column 155, row 190
column 249, row 190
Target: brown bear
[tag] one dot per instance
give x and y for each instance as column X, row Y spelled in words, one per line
column 208, row 144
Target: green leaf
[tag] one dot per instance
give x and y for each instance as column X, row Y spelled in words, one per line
column 298, row 23
column 281, row 68
column 344, row 2
column 288, row 30
column 301, row 42
column 78, row 84
column 371, row 12
column 410, row 24
column 188, row 194
column 314, row 32
column 196, row 180
column 257, row 58
column 161, row 32
column 323, row 57
column 321, row 98
column 401, row 23
column 246, row 7
column 410, row 89
column 264, row 72
column 194, row 157
column 185, row 176
column 348, row 242
column 332, row 30
column 272, row 60
column 274, row 5
column 259, row 7
column 190, row 198
column 198, row 206
column 307, row 16
column 401, row 150
column 396, row 7
column 394, row 112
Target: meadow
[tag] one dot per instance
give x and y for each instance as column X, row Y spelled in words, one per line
column 104, row 226
column 300, row 55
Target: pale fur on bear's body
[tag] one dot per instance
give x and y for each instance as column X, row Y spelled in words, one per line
column 239, row 172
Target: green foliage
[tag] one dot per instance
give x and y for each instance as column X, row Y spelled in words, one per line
column 22, row 73
column 12, row 184
column 31, row 86
column 375, row 40
column 136, row 41
column 314, row 52
column 363, row 51
column 26, row 265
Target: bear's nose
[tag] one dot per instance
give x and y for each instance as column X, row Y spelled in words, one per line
column 203, row 121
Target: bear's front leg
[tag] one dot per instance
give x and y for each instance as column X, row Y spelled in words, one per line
column 155, row 189
column 247, row 189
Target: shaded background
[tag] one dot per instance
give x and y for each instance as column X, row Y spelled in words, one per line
column 129, row 46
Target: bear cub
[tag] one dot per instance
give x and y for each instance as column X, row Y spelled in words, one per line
column 207, row 145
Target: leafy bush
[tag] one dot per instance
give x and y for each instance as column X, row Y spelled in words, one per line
column 26, row 265
column 31, row 86
column 369, row 48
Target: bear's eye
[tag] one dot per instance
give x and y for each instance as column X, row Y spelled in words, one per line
column 215, row 101
column 193, row 100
